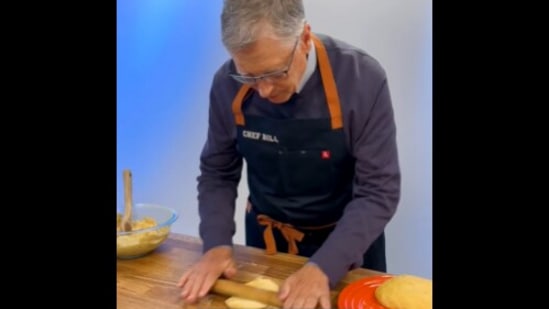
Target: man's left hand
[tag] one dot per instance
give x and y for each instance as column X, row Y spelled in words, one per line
column 306, row 288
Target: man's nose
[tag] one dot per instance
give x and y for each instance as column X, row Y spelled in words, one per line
column 264, row 88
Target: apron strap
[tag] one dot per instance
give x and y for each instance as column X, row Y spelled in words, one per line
column 288, row 231
column 328, row 81
column 237, row 105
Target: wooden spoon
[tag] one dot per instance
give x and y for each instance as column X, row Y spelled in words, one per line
column 126, row 224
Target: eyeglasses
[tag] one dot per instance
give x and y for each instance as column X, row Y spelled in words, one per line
column 270, row 77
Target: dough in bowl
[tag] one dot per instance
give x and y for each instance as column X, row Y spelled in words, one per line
column 406, row 292
column 243, row 303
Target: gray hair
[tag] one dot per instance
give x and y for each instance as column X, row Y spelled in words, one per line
column 242, row 21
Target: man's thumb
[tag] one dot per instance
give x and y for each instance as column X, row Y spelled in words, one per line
column 284, row 290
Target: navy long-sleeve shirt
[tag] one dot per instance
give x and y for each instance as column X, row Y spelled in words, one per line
column 370, row 135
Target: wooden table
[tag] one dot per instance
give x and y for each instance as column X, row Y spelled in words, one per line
column 150, row 281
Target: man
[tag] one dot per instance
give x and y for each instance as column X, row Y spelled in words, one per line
column 312, row 117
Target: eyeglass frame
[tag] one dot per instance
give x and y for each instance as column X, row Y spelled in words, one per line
column 271, row 77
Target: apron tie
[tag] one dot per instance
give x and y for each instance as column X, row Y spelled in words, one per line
column 288, row 231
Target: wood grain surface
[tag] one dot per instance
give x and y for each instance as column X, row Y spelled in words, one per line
column 150, row 281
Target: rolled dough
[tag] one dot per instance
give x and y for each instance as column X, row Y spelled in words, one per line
column 243, row 303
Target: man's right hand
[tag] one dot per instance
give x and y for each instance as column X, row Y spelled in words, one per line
column 197, row 281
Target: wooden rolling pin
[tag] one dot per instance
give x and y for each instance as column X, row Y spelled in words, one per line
column 231, row 288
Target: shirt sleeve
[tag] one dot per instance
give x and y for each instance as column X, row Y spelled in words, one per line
column 376, row 187
column 220, row 172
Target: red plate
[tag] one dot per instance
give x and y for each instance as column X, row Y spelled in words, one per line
column 360, row 294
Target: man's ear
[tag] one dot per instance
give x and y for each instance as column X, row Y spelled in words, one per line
column 306, row 37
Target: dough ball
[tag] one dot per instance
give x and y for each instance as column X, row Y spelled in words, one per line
column 406, row 292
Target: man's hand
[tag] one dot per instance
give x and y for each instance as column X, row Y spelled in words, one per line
column 306, row 288
column 197, row 281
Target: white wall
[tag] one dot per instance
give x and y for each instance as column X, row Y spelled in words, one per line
column 165, row 65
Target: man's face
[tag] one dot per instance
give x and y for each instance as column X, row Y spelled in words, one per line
column 277, row 66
